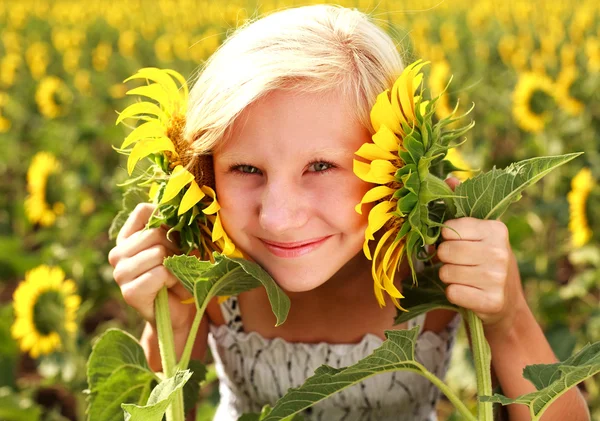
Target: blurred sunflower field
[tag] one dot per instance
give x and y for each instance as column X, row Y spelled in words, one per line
column 532, row 69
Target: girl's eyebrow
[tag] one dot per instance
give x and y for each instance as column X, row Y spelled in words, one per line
column 333, row 153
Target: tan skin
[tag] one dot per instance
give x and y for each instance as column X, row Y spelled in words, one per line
column 259, row 200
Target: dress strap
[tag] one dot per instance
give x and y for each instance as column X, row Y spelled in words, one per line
column 231, row 313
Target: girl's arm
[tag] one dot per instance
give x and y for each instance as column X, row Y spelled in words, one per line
column 523, row 343
column 482, row 275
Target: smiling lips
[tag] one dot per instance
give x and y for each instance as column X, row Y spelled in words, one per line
column 296, row 249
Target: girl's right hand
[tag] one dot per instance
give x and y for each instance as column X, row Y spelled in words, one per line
column 138, row 269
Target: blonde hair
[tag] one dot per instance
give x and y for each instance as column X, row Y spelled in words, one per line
column 313, row 49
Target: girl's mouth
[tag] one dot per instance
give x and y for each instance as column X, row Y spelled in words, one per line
column 295, row 249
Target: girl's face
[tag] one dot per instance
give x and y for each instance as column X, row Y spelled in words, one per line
column 287, row 191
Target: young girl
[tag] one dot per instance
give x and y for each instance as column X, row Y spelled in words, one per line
column 282, row 106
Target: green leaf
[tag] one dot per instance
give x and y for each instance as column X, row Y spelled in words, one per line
column 191, row 390
column 131, row 198
column 117, row 372
column 396, row 353
column 426, row 295
column 552, row 380
column 159, row 399
column 488, row 195
column 266, row 410
column 227, row 276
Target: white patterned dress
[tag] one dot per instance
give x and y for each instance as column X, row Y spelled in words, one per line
column 254, row 371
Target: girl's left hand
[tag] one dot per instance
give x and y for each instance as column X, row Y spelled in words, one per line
column 480, row 270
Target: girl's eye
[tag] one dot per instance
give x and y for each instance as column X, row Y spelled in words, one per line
column 320, row 166
column 245, row 169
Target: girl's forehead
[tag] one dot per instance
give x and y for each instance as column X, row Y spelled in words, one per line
column 323, row 119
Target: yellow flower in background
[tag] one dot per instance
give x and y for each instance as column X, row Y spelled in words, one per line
column 127, row 41
column 456, row 159
column 38, row 58
column 161, row 133
column 439, row 78
column 45, row 306
column 592, row 52
column 101, row 56
column 8, row 69
column 43, row 205
column 564, row 82
column 532, row 99
column 82, row 82
column 581, row 186
column 53, row 97
column 5, row 123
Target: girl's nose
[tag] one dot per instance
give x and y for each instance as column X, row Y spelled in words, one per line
column 282, row 209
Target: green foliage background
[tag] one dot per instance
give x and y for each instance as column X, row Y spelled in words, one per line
column 92, row 47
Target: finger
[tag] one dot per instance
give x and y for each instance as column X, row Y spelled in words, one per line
column 466, row 229
column 139, row 241
column 453, row 182
column 141, row 292
column 468, row 253
column 137, row 220
column 480, row 302
column 471, row 276
column 145, row 260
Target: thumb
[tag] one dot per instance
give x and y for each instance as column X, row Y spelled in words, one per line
column 452, row 182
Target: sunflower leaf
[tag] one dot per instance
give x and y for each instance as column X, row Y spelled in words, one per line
column 552, row 380
column 117, row 372
column 131, row 198
column 396, row 353
column 488, row 195
column 227, row 276
column 159, row 399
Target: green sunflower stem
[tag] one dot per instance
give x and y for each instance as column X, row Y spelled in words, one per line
column 482, row 358
column 189, row 344
column 166, row 345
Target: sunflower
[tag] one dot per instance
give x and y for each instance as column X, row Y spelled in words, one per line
column 532, row 99
column 43, row 204
column 567, row 78
column 52, row 97
column 45, row 306
column 409, row 199
column 581, row 186
column 181, row 182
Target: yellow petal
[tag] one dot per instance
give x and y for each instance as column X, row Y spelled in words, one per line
column 386, row 139
column 192, row 196
column 378, row 216
column 378, row 171
column 141, row 108
column 153, row 91
column 214, row 206
column 160, row 76
column 374, row 194
column 178, row 180
column 379, row 295
column 149, row 129
column 372, row 151
column 375, row 266
column 383, row 114
column 217, row 231
column 146, row 147
column 389, row 268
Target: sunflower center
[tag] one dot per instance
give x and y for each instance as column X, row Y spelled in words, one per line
column 49, row 312
column 54, row 192
column 540, row 102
